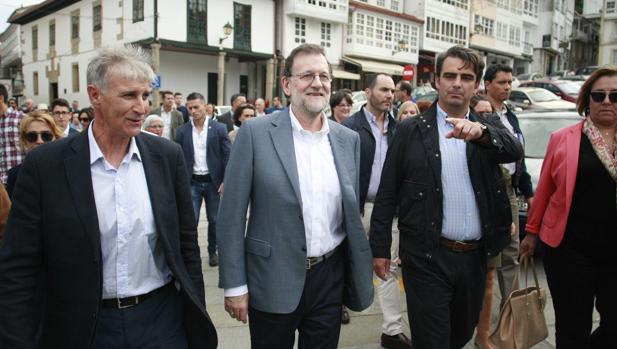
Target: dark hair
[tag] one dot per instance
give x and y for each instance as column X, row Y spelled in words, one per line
column 59, row 102
column 338, row 97
column 424, row 105
column 405, row 86
column 582, row 103
column 195, row 95
column 235, row 96
column 277, row 98
column 239, row 111
column 371, row 80
column 165, row 93
column 493, row 69
column 346, row 90
column 89, row 111
column 467, row 55
column 4, row 93
column 475, row 99
column 177, row 94
column 307, row 49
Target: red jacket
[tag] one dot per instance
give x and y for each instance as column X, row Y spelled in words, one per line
column 549, row 212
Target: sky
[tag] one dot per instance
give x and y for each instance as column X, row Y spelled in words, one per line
column 8, row 6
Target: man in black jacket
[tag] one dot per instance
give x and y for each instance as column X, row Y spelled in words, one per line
column 375, row 125
column 498, row 84
column 227, row 118
column 442, row 171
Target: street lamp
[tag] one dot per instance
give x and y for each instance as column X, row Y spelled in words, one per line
column 227, row 29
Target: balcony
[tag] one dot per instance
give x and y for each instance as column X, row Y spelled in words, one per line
column 330, row 10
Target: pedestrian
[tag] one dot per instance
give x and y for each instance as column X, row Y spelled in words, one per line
column 227, row 118
column 407, row 109
column 35, row 129
column 442, row 175
column 340, row 106
column 86, row 116
column 206, row 147
column 243, row 113
column 276, row 105
column 11, row 153
column 303, row 253
column 154, row 124
column 178, row 99
column 106, row 215
column 171, row 118
column 61, row 112
column 376, row 126
column 573, row 214
column 402, row 94
column 260, row 107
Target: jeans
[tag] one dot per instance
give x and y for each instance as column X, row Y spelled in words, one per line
column 209, row 192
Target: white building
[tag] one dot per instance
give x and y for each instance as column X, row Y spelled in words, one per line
column 10, row 59
column 608, row 34
column 446, row 25
column 60, row 37
column 551, row 41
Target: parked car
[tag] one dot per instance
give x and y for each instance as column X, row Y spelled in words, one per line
column 586, row 71
column 559, row 75
column 539, row 99
column 359, row 99
column 537, row 127
column 515, row 82
column 567, row 90
column 530, row 77
column 424, row 93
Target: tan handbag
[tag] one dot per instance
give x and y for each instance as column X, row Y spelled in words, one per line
column 521, row 320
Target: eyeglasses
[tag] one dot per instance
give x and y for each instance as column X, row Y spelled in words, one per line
column 33, row 136
column 61, row 113
column 84, row 119
column 309, row 77
column 600, row 96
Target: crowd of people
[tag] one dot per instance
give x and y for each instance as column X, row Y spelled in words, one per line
column 310, row 216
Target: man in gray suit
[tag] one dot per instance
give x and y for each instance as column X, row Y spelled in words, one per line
column 305, row 252
column 171, row 117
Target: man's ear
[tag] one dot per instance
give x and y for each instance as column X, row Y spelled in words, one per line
column 95, row 95
column 285, row 83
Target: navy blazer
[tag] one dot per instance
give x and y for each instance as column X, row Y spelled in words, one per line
column 217, row 153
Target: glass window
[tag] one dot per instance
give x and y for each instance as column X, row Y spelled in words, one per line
column 300, row 30
column 326, row 34
column 74, row 26
column 196, row 21
column 97, row 23
column 35, row 37
column 242, row 26
column 52, row 33
column 138, row 10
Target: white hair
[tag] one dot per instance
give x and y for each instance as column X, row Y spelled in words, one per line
column 129, row 62
column 150, row 119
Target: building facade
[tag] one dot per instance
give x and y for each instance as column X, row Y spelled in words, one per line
column 10, row 60
column 608, row 33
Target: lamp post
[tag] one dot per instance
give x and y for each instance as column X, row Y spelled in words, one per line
column 227, row 29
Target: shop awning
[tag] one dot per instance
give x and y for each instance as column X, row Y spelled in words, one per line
column 341, row 74
column 376, row 67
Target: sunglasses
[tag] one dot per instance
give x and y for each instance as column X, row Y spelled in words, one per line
column 33, row 136
column 600, row 96
column 84, row 119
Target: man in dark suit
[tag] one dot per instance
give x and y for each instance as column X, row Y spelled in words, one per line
column 227, row 118
column 102, row 223
column 206, row 149
column 60, row 110
column 172, row 119
column 180, row 107
column 376, row 127
column 303, row 253
column 442, row 173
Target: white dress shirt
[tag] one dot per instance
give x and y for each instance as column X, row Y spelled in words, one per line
column 200, row 146
column 322, row 202
column 133, row 261
column 167, row 122
column 66, row 130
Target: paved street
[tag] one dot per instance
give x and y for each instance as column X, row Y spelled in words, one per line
column 362, row 333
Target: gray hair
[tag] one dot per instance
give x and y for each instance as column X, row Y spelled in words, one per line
column 150, row 119
column 128, row 62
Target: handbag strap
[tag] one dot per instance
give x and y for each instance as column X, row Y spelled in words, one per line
column 526, row 261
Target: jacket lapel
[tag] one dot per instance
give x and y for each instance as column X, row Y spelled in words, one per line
column 338, row 146
column 282, row 139
column 573, row 147
column 79, row 177
column 151, row 161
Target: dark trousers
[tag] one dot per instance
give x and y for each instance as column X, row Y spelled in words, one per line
column 317, row 318
column 576, row 281
column 157, row 323
column 444, row 297
column 207, row 191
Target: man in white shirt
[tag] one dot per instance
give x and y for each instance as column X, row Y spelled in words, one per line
column 304, row 252
column 171, row 117
column 260, row 107
column 61, row 112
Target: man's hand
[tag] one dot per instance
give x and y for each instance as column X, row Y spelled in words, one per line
column 528, row 245
column 381, row 266
column 238, row 307
column 221, row 188
column 513, row 229
column 464, row 129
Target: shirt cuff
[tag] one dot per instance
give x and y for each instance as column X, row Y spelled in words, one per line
column 236, row 291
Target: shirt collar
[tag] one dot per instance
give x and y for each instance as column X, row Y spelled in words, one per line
column 205, row 123
column 371, row 118
column 442, row 115
column 96, row 153
column 295, row 125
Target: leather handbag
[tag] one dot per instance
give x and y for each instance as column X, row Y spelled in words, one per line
column 521, row 322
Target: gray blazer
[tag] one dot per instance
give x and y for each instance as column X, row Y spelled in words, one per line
column 270, row 257
column 177, row 120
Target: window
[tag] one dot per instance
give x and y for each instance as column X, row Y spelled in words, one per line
column 505, row 4
column 242, row 26
column 501, row 31
column 458, row 3
column 300, row 34
column 486, row 24
column 75, row 25
column 381, row 3
column 52, row 33
column 610, row 6
column 138, row 10
column 97, row 23
column 394, row 5
column 530, row 7
column 75, row 76
column 614, row 57
column 325, row 34
column 35, row 83
column 196, row 18
column 35, row 37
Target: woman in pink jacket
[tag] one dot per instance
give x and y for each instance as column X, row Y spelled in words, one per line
column 574, row 213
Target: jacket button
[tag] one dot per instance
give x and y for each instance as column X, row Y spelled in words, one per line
column 437, row 155
column 498, row 191
column 301, row 218
column 303, row 249
column 437, row 190
column 421, row 193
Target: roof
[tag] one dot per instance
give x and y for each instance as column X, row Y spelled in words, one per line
column 27, row 14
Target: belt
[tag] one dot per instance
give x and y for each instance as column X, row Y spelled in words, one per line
column 313, row 261
column 460, row 246
column 128, row 302
column 202, row 178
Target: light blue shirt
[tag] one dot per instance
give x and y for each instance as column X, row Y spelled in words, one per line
column 461, row 216
column 133, row 261
column 381, row 148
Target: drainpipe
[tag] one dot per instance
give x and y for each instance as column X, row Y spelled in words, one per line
column 156, row 57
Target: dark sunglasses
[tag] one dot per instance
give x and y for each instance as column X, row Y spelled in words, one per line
column 600, row 96
column 46, row 136
column 84, row 119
